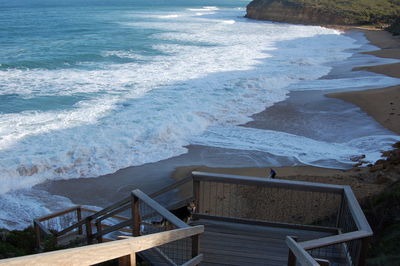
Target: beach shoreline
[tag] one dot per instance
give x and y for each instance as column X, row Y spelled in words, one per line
column 382, row 104
column 154, row 176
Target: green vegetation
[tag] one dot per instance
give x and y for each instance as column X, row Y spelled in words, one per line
column 395, row 27
column 383, row 214
column 355, row 11
column 17, row 243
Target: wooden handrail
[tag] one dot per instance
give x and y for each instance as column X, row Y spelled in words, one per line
column 84, row 221
column 72, row 227
column 113, row 228
column 97, row 253
column 110, row 208
column 55, row 214
column 120, row 229
column 273, row 183
column 356, row 211
column 107, row 212
column 336, row 239
column 302, row 256
column 159, row 209
column 113, row 213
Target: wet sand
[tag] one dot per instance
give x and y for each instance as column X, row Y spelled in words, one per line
column 382, row 104
column 304, row 111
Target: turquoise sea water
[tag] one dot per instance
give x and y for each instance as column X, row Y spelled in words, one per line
column 90, row 87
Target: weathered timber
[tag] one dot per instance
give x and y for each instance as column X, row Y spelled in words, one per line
column 97, row 253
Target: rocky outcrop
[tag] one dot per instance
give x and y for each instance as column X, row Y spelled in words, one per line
column 292, row 12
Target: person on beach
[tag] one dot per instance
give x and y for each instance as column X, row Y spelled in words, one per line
column 272, row 173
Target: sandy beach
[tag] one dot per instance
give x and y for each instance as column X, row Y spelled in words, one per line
column 301, row 108
column 383, row 104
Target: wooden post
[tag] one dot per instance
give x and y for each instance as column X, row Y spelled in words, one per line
column 89, row 230
column 196, row 195
column 195, row 245
column 340, row 211
column 37, row 233
column 129, row 260
column 291, row 256
column 291, row 259
column 136, row 221
column 79, row 217
column 99, row 236
column 363, row 251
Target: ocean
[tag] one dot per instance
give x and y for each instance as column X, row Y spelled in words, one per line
column 91, row 87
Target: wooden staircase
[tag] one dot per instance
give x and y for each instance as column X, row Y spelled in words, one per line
column 238, row 221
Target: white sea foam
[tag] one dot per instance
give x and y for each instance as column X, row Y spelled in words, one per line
column 169, row 16
column 305, row 150
column 204, row 9
column 19, row 208
column 209, row 72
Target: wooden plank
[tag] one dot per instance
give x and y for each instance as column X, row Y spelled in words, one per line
column 159, row 209
column 259, row 181
column 97, row 253
column 302, row 256
column 332, row 230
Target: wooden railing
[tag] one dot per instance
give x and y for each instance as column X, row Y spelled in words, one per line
column 92, row 254
column 158, row 219
column 90, row 225
column 289, row 204
column 174, row 243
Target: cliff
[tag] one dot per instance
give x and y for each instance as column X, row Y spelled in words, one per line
column 325, row 12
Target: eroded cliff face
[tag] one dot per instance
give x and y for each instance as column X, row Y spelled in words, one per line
column 283, row 11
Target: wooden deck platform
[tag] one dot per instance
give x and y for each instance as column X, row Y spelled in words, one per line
column 224, row 243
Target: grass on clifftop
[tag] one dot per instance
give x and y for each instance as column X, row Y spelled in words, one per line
column 359, row 11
